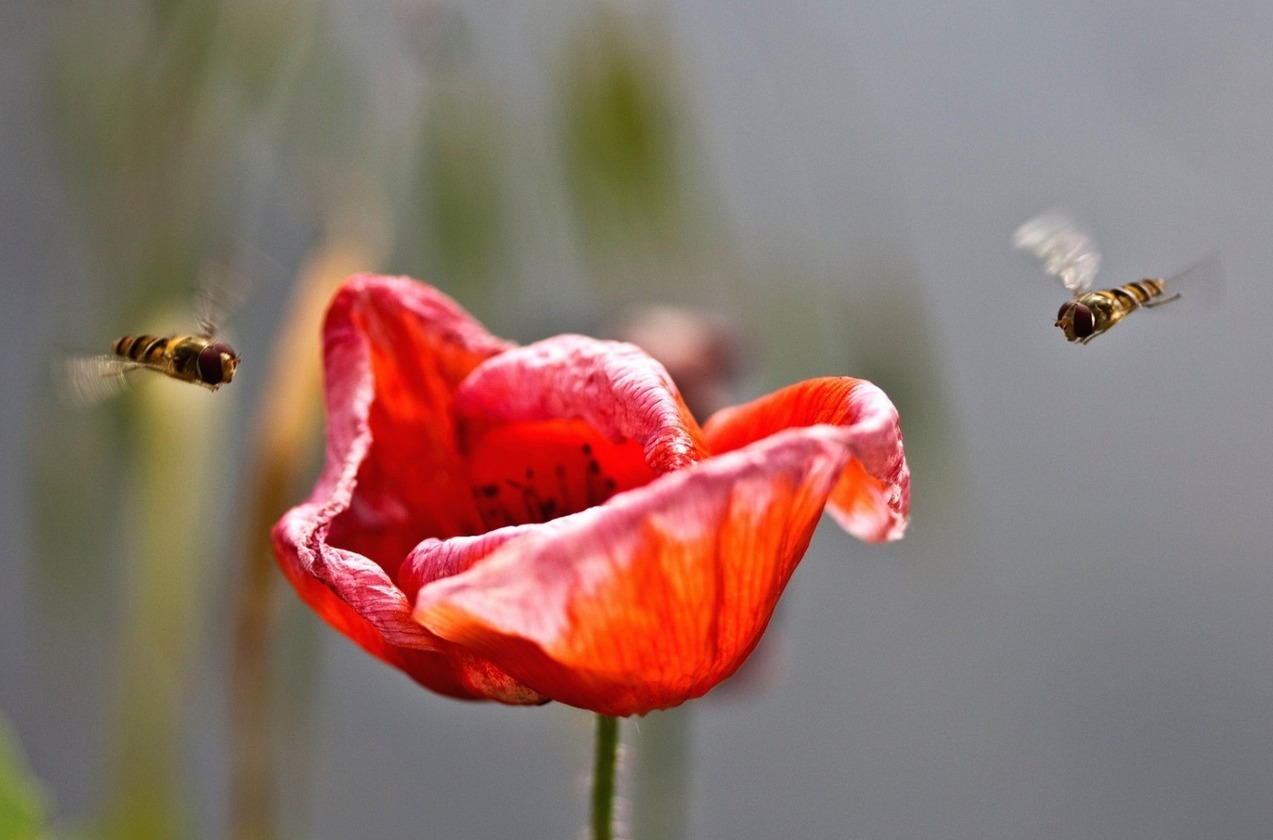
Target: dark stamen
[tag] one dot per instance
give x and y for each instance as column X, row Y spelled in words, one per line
column 523, row 500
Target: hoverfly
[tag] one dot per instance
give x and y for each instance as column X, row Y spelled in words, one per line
column 198, row 357
column 1071, row 256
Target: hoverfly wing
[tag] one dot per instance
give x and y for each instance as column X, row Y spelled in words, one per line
column 221, row 291
column 87, row 380
column 1203, row 282
column 1064, row 250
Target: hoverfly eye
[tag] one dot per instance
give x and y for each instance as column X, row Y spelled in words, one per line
column 211, row 370
column 1084, row 323
column 1064, row 310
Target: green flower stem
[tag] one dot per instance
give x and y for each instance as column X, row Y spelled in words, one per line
column 603, row 778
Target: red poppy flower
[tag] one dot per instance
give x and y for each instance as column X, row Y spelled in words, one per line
column 549, row 522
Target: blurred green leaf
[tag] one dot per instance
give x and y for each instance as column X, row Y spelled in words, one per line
column 461, row 184
column 619, row 133
column 262, row 36
column 22, row 799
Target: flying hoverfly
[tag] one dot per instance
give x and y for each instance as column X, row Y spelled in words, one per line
column 197, row 357
column 1071, row 256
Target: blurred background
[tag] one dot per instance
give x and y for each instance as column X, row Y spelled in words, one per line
column 1074, row 638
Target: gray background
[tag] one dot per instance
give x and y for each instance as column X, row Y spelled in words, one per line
column 1073, row 641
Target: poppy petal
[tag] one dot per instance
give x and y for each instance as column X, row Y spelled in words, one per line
column 872, row 499
column 616, row 388
column 394, row 352
column 650, row 599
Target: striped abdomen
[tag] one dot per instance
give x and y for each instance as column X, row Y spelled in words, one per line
column 148, row 350
column 1132, row 295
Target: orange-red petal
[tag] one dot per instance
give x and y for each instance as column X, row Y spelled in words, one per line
column 650, row 599
column 872, row 498
column 615, row 388
column 394, row 352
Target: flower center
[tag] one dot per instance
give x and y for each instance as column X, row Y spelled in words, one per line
column 532, row 472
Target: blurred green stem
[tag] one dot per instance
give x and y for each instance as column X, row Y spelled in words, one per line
column 177, row 476
column 603, row 777
column 252, row 774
